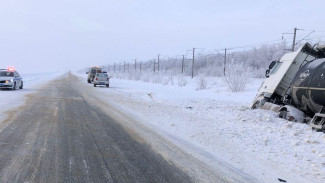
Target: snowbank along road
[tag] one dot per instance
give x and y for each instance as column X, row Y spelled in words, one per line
column 221, row 125
column 64, row 134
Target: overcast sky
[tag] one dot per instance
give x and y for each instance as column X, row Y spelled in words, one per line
column 54, row 35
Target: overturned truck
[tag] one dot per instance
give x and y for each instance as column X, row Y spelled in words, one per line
column 295, row 86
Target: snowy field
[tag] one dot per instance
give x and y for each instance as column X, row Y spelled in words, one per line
column 222, row 125
column 32, row 83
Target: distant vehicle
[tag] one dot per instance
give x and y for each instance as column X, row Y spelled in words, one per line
column 92, row 72
column 101, row 79
column 10, row 79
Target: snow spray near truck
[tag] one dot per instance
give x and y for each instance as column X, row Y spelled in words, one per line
column 295, row 86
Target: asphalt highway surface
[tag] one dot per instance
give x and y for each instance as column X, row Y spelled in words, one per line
column 57, row 136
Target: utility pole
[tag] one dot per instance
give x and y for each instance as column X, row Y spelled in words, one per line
column 158, row 62
column 128, row 67
column 140, row 67
column 124, row 67
column 114, row 67
column 193, row 63
column 135, row 65
column 154, row 65
column 224, row 63
column 294, row 39
column 183, row 64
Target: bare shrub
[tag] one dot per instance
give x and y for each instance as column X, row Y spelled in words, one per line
column 137, row 77
column 236, row 76
column 181, row 81
column 201, row 82
column 145, row 78
column 171, row 78
column 165, row 81
column 130, row 76
column 157, row 78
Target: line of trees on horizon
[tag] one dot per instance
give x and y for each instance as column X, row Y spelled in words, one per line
column 207, row 64
column 235, row 69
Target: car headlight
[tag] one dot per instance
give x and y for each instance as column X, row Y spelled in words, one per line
column 12, row 80
column 7, row 81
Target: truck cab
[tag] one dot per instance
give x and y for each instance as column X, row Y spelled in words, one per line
column 280, row 75
column 92, row 73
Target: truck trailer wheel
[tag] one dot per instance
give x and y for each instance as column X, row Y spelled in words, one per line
column 291, row 113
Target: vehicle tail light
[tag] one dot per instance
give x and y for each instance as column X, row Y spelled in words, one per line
column 96, row 79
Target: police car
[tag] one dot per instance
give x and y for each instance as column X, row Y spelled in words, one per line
column 10, row 79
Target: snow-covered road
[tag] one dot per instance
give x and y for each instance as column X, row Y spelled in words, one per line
column 212, row 124
column 222, row 124
column 32, row 82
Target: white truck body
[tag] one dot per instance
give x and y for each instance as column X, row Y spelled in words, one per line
column 283, row 73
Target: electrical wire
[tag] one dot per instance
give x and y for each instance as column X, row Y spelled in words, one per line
column 201, row 51
column 305, row 37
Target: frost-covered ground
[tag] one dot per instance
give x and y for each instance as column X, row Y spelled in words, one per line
column 32, row 82
column 221, row 123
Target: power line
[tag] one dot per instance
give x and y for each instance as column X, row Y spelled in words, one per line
column 305, row 37
column 251, row 45
column 313, row 38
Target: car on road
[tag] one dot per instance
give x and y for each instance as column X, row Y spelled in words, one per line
column 101, row 79
column 92, row 73
column 10, row 79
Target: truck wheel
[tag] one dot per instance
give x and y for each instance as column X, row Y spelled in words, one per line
column 107, row 85
column 291, row 113
column 283, row 114
column 94, row 85
column 22, row 85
